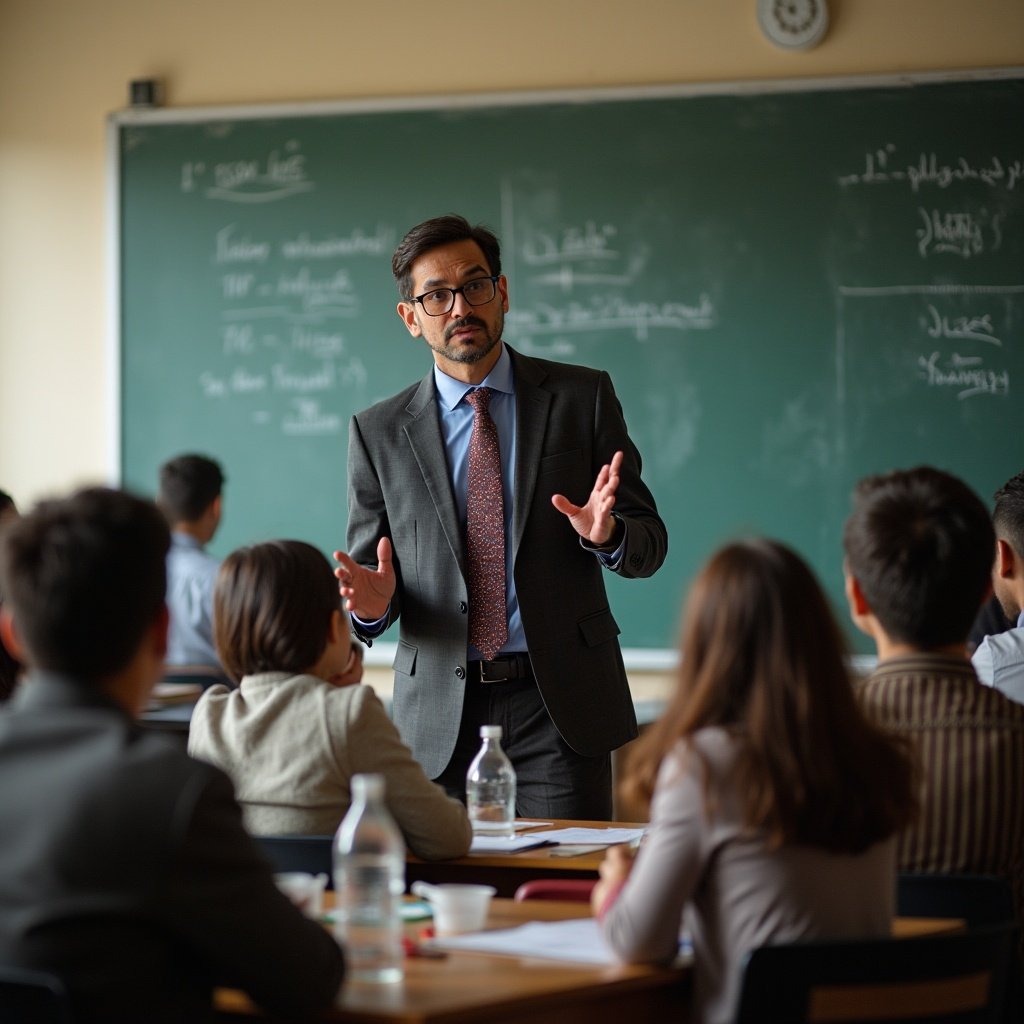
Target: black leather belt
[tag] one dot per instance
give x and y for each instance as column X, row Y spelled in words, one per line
column 507, row 668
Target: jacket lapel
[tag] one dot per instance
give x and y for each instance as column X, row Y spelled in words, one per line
column 532, row 405
column 426, row 442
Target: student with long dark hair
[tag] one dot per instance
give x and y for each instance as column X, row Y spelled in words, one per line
column 774, row 802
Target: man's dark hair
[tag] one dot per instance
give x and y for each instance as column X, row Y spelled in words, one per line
column 6, row 504
column 436, row 232
column 920, row 544
column 1008, row 513
column 84, row 578
column 188, row 485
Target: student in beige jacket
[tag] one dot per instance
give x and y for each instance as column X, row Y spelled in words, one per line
column 299, row 725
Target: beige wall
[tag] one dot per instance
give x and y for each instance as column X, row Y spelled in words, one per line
column 65, row 64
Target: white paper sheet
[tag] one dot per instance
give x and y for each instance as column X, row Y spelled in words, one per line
column 577, row 941
column 594, row 836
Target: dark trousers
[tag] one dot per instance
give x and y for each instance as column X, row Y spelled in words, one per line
column 552, row 780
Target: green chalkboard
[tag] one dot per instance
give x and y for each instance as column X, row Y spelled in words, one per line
column 791, row 287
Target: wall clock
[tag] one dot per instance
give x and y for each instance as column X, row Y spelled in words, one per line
column 793, row 24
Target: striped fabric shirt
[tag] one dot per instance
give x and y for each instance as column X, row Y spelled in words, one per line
column 970, row 744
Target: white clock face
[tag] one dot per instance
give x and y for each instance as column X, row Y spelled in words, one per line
column 794, row 24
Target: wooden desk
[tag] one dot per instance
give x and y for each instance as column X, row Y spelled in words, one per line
column 477, row 987
column 507, row 871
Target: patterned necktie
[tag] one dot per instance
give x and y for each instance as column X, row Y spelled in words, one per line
column 485, row 531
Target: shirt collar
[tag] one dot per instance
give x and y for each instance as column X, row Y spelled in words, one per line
column 451, row 391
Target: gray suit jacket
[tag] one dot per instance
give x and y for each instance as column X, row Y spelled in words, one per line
column 124, row 868
column 568, row 424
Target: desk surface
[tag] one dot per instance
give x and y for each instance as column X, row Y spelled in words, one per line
column 507, row 871
column 477, row 987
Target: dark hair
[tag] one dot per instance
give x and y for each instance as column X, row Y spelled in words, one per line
column 436, row 232
column 84, row 578
column 763, row 657
column 920, row 544
column 272, row 608
column 188, row 485
column 1008, row 514
column 6, row 504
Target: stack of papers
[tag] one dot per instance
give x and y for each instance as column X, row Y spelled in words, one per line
column 577, row 941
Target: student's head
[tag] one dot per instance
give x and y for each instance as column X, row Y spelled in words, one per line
column 8, row 510
column 276, row 608
column 919, row 547
column 1008, row 570
column 437, row 232
column 763, row 658
column 190, row 488
column 83, row 580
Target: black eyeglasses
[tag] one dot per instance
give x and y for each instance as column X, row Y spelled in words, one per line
column 478, row 292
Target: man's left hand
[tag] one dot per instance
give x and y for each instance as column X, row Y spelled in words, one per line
column 593, row 521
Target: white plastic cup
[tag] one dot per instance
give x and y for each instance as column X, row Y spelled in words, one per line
column 306, row 891
column 456, row 908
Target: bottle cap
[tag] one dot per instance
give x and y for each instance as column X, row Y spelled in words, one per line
column 368, row 785
column 490, row 732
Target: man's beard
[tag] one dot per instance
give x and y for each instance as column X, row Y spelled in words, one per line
column 470, row 353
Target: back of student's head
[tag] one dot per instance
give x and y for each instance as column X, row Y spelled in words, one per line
column 920, row 544
column 84, row 579
column 188, row 485
column 1008, row 513
column 763, row 657
column 272, row 608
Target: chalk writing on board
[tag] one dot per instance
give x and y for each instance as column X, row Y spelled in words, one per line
column 279, row 174
column 587, row 242
column 958, row 233
column 966, row 375
column 611, row 313
column 306, row 418
column 357, row 243
column 882, row 166
column 968, row 328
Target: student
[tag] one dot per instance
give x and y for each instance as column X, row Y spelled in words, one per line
column 124, row 866
column 999, row 659
column 191, row 498
column 918, row 560
column 774, row 804
column 299, row 727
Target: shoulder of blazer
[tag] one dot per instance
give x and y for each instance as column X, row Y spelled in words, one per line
column 544, row 372
column 411, row 401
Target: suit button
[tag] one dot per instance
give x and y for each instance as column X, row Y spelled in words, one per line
column 460, row 671
column 463, row 607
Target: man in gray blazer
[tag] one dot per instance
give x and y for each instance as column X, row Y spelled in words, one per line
column 124, row 866
column 557, row 685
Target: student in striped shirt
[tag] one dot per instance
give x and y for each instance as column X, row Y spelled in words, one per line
column 919, row 546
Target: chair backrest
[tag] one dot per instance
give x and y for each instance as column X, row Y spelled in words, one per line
column 977, row 899
column 32, row 997
column 956, row 977
column 575, row 890
column 299, row 853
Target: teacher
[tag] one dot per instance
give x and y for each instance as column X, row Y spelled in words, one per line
column 485, row 502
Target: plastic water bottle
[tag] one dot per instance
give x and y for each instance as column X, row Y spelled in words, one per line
column 369, row 878
column 491, row 787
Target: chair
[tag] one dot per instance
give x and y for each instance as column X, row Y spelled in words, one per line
column 312, row 854
column 32, row 997
column 938, row 978
column 575, row 890
column 977, row 899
